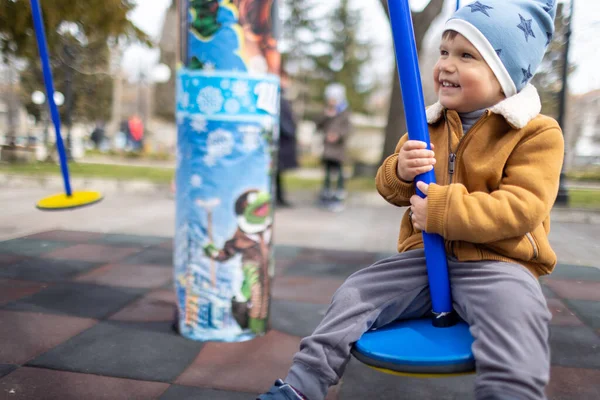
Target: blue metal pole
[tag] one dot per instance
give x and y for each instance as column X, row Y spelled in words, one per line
column 40, row 34
column 414, row 108
column 457, row 4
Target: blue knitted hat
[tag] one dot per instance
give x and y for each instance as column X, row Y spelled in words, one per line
column 511, row 35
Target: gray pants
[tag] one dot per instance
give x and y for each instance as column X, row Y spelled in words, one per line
column 502, row 302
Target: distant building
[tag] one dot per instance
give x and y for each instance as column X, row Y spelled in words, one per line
column 584, row 123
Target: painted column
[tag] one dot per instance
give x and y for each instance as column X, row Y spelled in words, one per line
column 228, row 127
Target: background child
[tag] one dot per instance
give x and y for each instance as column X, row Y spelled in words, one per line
column 497, row 165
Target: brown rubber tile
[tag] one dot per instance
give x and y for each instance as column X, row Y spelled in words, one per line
column 38, row 383
column 66, row 236
column 92, row 252
column 134, row 276
column 250, row 366
column 31, row 334
column 561, row 315
column 574, row 289
column 11, row 289
column 573, row 383
column 157, row 306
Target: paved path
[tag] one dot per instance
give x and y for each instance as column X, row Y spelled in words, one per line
column 367, row 224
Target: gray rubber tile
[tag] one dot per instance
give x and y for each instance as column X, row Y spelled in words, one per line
column 46, row 270
column 178, row 392
column 77, row 299
column 298, row 319
column 6, row 369
column 144, row 351
column 574, row 346
column 31, row 247
column 361, row 382
column 588, row 311
column 154, row 256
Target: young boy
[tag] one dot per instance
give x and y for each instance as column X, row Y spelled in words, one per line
column 497, row 167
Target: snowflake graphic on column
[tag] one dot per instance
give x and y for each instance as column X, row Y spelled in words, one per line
column 210, row 100
column 240, row 89
column 199, row 123
column 251, row 136
column 180, row 117
column 219, row 144
column 196, row 181
column 232, row 106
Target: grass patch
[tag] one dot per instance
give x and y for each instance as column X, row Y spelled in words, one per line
column 104, row 171
column 578, row 198
column 587, row 174
column 582, row 198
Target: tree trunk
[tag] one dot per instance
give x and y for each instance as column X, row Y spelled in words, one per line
column 396, row 123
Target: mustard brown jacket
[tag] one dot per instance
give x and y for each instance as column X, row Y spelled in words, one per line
column 496, row 185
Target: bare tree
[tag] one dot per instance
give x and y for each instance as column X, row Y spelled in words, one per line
column 396, row 124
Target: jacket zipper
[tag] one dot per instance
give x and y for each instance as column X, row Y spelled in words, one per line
column 532, row 241
column 452, row 156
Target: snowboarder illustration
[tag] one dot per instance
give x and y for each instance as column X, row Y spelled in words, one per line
column 252, row 240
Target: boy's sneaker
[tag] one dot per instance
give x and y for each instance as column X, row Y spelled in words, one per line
column 340, row 195
column 281, row 391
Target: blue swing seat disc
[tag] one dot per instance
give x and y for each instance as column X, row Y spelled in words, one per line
column 417, row 347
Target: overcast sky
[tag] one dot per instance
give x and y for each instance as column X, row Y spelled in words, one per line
column 149, row 15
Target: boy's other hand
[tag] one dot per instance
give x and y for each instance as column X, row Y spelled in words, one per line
column 414, row 159
column 419, row 207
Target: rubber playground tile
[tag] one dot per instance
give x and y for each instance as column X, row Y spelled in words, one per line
column 305, row 289
column 284, row 252
column 134, row 276
column 156, row 306
column 330, row 269
column 131, row 240
column 568, row 271
column 9, row 259
column 31, row 247
column 588, row 311
column 178, row 392
column 152, row 255
column 77, row 299
column 281, row 266
column 66, row 236
column 574, row 289
column 250, row 366
column 573, row 383
column 6, row 369
column 92, row 253
column 356, row 258
column 38, row 383
column 144, row 351
column 561, row 315
column 361, row 382
column 168, row 245
column 46, row 269
column 11, row 290
column 298, row 319
column 574, row 346
column 26, row 335
column 548, row 293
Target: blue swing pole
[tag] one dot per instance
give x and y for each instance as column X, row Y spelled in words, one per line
column 40, row 35
column 421, row 347
column 69, row 199
column 416, row 121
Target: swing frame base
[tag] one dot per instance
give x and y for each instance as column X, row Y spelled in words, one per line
column 416, row 348
column 62, row 202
